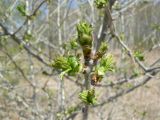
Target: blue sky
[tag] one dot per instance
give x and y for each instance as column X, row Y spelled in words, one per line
column 74, row 3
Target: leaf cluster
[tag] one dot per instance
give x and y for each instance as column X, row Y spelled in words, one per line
column 101, row 3
column 88, row 97
column 84, row 33
column 105, row 64
column 70, row 65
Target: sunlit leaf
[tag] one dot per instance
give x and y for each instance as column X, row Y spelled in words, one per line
column 105, row 64
column 84, row 33
column 88, row 97
column 68, row 65
column 101, row 3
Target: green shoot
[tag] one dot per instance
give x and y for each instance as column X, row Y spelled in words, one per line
column 88, row 97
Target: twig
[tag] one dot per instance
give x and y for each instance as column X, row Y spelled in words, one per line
column 124, row 92
column 28, row 17
column 26, row 47
column 20, row 70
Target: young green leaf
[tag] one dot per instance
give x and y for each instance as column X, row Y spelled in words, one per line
column 22, row 9
column 84, row 28
column 61, row 63
column 102, row 50
column 84, row 33
column 74, row 64
column 73, row 44
column 64, row 72
column 139, row 55
column 101, row 71
column 105, row 64
column 88, row 97
column 101, row 3
column 68, row 65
